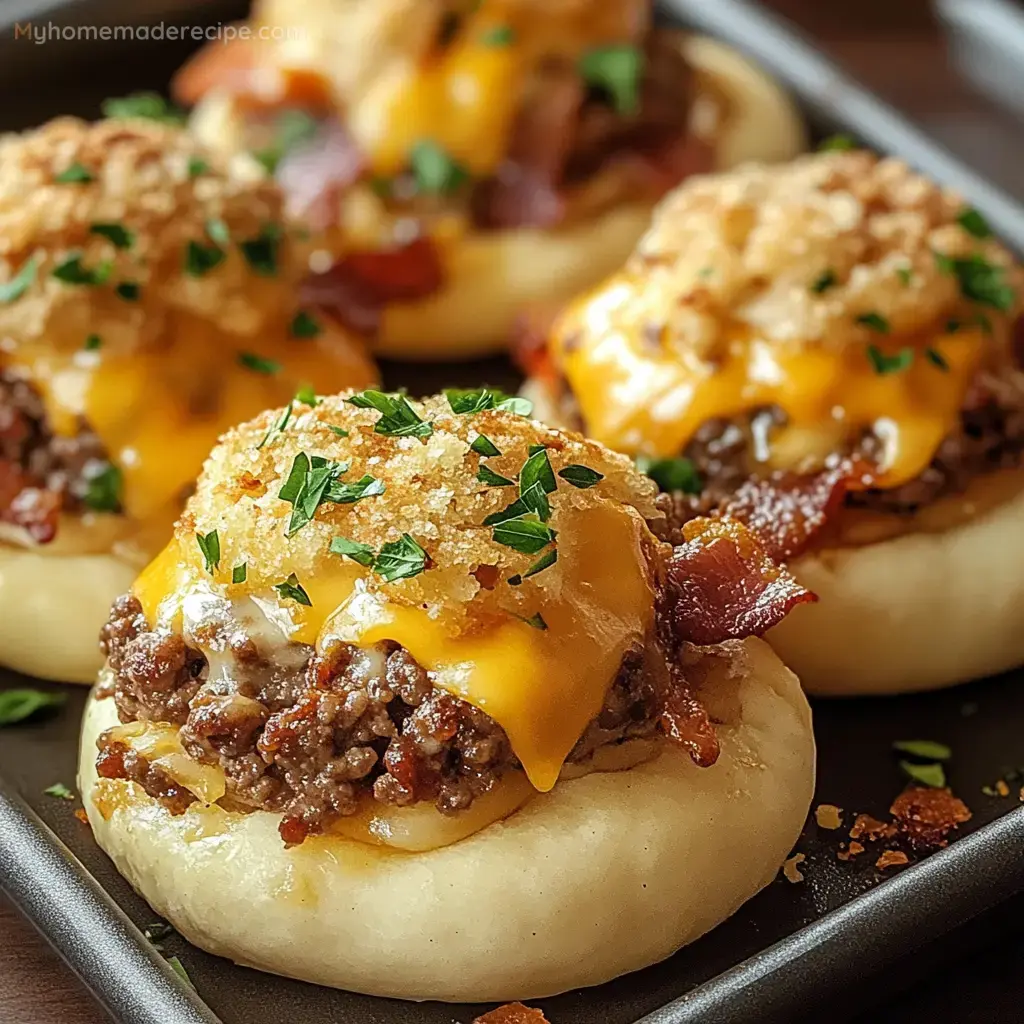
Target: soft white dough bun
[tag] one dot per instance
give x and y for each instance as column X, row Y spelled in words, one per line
column 607, row 873
column 918, row 612
column 52, row 608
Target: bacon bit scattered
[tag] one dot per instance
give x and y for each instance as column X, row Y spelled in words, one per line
column 513, row 1013
column 315, row 175
column 723, row 584
column 791, row 869
column 358, row 288
column 891, row 859
column 82, row 816
column 926, row 816
column 851, row 851
column 685, row 721
column 293, row 831
column 866, row 827
column 487, row 576
column 788, row 511
column 828, row 816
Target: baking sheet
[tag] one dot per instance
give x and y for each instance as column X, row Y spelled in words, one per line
column 792, row 944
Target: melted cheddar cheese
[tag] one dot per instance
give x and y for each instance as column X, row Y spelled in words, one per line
column 159, row 409
column 543, row 686
column 643, row 396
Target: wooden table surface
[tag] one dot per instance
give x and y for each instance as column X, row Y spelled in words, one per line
column 894, row 46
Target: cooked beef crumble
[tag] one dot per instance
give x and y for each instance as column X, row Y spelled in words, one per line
column 990, row 436
column 41, row 472
column 308, row 742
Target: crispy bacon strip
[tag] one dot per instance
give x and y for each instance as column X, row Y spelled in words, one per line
column 357, row 289
column 512, row 1013
column 788, row 511
column 723, row 585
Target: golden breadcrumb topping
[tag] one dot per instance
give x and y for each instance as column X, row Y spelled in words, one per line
column 824, row 250
column 431, row 492
column 122, row 202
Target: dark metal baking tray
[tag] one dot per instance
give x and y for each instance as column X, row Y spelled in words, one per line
column 789, row 948
column 988, row 44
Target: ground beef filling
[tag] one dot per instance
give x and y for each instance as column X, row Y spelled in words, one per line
column 41, row 473
column 311, row 741
column 990, row 436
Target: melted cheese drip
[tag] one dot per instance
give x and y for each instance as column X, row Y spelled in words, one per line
column 644, row 398
column 542, row 686
column 463, row 102
column 159, row 410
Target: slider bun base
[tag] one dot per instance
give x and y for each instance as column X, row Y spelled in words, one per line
column 608, row 873
column 922, row 611
column 52, row 607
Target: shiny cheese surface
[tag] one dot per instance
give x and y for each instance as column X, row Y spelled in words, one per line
column 159, row 409
column 543, row 686
column 641, row 395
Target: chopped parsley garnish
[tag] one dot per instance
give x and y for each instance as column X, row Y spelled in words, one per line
column 71, row 271
column 484, row 446
column 196, row 166
column 499, row 35
column 117, row 234
column 487, row 476
column 400, row 559
column 92, row 343
column 526, row 534
column 209, row 545
column 18, row 285
column 217, row 231
column 472, row 400
column 292, row 128
column 545, row 561
column 342, row 493
column 979, row 280
column 974, row 223
column 307, row 396
column 240, row 573
column 434, row 171
column 128, row 290
column 827, row 280
column 580, row 476
column 936, row 358
column 537, row 471
column 74, row 174
column 537, row 621
column 837, row 144
column 397, row 417
column 882, row 363
column 149, row 105
column 874, row 322
column 314, row 480
column 259, row 364
column 927, row 749
column 676, row 474
column 278, row 427
column 179, row 970
column 103, row 489
column 291, row 589
column 60, row 791
column 200, row 259
column 932, row 775
column 340, row 431
column 615, row 70
column 305, row 325
column 306, row 487
column 361, row 553
column 19, row 705
column 905, row 274
column 261, row 252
